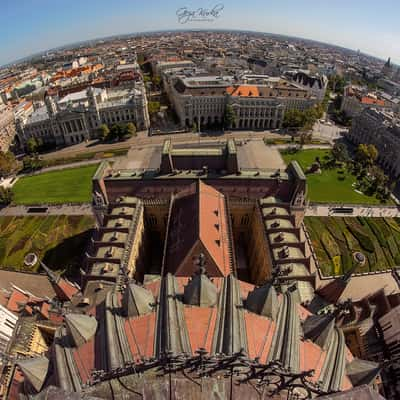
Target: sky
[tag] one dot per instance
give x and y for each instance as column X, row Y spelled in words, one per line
column 30, row 26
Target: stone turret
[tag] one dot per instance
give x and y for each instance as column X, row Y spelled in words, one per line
column 136, row 300
column 93, row 104
column 51, row 106
column 200, row 291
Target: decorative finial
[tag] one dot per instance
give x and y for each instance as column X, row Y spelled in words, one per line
column 201, row 262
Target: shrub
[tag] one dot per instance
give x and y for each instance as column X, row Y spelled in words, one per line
column 329, row 244
column 364, row 240
column 377, row 232
column 347, row 260
column 337, row 265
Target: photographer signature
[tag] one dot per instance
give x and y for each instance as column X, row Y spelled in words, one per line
column 201, row 14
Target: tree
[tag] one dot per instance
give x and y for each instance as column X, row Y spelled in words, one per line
column 8, row 163
column 366, row 154
column 379, row 179
column 130, row 129
column 336, row 83
column 302, row 120
column 104, row 131
column 305, row 138
column 32, row 163
column 154, row 107
column 32, row 145
column 156, row 80
column 6, row 196
column 340, row 153
column 117, row 131
column 229, row 116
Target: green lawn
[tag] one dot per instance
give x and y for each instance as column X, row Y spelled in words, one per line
column 336, row 239
column 326, row 187
column 73, row 185
column 59, row 240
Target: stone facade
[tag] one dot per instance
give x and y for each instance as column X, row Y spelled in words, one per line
column 7, row 128
column 258, row 101
column 78, row 116
column 381, row 129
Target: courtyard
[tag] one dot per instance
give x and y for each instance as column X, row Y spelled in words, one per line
column 336, row 239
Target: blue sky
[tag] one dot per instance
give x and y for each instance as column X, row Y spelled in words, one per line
column 29, row 26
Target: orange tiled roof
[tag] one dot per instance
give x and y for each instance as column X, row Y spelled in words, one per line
column 212, row 213
column 199, row 224
column 243, row 91
column 372, row 101
column 16, row 299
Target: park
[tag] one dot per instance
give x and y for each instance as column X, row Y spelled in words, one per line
column 336, row 184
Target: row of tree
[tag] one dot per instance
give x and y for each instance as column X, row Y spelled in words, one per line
column 303, row 120
column 117, row 131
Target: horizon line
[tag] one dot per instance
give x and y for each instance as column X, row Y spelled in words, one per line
column 109, row 37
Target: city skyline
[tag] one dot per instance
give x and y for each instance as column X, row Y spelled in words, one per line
column 43, row 26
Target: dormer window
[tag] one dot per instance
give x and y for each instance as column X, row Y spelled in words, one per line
column 109, row 252
column 114, row 237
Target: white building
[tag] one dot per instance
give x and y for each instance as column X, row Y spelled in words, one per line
column 78, row 116
column 8, row 322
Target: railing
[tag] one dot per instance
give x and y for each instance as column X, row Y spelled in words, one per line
column 230, row 236
column 131, row 236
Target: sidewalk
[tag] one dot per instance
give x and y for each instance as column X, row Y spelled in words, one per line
column 362, row 211
column 64, row 209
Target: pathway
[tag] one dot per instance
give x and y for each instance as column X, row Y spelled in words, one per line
column 318, row 210
column 64, row 209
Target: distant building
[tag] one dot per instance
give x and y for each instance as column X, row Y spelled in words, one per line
column 356, row 99
column 258, row 101
column 389, row 86
column 78, row 116
column 316, row 84
column 381, row 129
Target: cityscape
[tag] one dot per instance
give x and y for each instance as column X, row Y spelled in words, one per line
column 199, row 213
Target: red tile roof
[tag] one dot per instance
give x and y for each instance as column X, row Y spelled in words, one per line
column 258, row 331
column 16, row 300
column 372, row 101
column 212, row 212
column 140, row 333
column 243, row 91
column 311, row 357
column 200, row 322
column 199, row 225
column 84, row 357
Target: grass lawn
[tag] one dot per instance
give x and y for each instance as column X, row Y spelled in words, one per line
column 59, row 240
column 71, row 185
column 326, row 187
column 335, row 240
